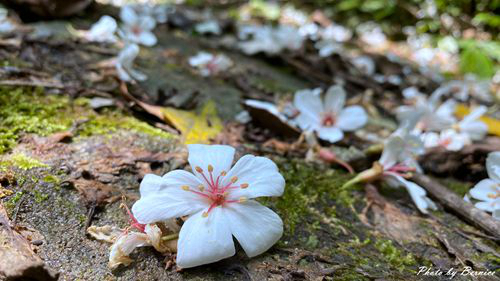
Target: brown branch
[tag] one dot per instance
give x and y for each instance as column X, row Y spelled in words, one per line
column 457, row 204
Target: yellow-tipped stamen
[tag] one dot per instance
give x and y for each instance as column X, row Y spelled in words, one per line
column 198, row 169
column 201, row 187
column 244, row 185
column 223, row 173
column 205, row 214
column 366, row 176
column 242, row 199
column 210, row 168
column 185, row 187
column 234, row 179
column 225, row 194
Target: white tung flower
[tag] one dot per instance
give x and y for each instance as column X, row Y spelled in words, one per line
column 487, row 191
column 138, row 28
column 6, row 25
column 103, row 30
column 395, row 169
column 218, row 201
column 365, row 64
column 329, row 118
column 434, row 116
column 124, row 64
column 470, row 86
column 208, row 26
column 209, row 64
column 460, row 134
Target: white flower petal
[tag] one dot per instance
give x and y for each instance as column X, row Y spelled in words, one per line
column 147, row 38
column 220, row 157
column 485, row 206
column 476, row 130
column 310, row 106
column 259, row 173
column 165, row 199
column 392, row 150
column 255, row 227
column 417, row 193
column 128, row 15
column 204, row 240
column 335, row 99
column 147, row 23
column 151, row 184
column 493, row 166
column 352, row 118
column 485, row 190
column 331, row 134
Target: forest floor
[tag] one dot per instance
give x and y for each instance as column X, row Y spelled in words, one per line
column 67, row 163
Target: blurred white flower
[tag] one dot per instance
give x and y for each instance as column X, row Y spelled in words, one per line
column 434, row 116
column 208, row 26
column 268, row 39
column 487, row 191
column 329, row 118
column 292, row 16
column 218, row 201
column 125, row 62
column 460, row 134
column 449, row 139
column 412, row 93
column 6, row 25
column 209, row 64
column 102, row 31
column 365, row 64
column 470, row 86
column 138, row 28
column 331, row 38
column 371, row 34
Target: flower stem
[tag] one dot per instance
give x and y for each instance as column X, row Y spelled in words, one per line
column 170, row 237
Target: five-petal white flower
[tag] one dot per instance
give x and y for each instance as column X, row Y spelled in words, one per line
column 218, row 201
column 137, row 28
column 329, row 118
column 487, row 191
column 209, row 64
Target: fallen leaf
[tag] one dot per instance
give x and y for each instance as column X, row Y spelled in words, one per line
column 5, row 192
column 194, row 127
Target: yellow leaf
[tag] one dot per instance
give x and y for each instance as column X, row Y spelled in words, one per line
column 195, row 127
column 492, row 123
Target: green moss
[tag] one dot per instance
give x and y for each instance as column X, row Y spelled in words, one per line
column 307, row 186
column 461, row 188
column 25, row 110
column 51, row 179
column 393, row 255
column 22, row 161
column 39, row 196
column 11, row 203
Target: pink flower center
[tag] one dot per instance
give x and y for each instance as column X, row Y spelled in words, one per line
column 328, row 120
column 136, row 30
column 214, row 191
column 445, row 142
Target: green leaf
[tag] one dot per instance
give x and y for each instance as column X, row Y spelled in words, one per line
column 473, row 60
